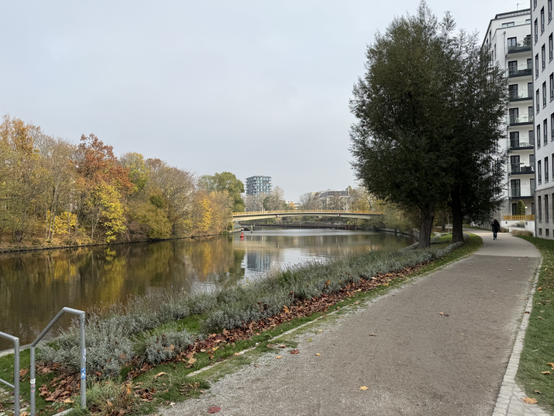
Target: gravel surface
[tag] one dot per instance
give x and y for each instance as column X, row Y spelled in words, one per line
column 441, row 347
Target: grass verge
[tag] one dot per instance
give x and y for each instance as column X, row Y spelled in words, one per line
column 538, row 350
column 170, row 382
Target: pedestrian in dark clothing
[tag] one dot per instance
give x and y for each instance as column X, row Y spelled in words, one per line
column 495, row 228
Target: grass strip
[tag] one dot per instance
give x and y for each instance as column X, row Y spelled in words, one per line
column 534, row 372
column 170, row 382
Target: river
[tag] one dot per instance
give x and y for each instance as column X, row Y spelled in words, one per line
column 34, row 286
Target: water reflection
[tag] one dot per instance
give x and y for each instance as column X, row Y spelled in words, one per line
column 34, row 286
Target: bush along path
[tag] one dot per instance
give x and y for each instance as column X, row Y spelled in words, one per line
column 128, row 344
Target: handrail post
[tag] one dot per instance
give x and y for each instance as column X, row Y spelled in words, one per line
column 82, row 366
column 15, row 385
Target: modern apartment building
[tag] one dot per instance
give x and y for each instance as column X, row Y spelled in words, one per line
column 509, row 37
column 543, row 74
column 258, row 185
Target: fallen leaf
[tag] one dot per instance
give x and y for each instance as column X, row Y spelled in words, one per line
column 278, row 357
column 282, row 346
column 310, row 340
column 192, row 360
column 320, row 330
column 110, row 403
column 295, row 352
column 363, row 388
column 546, row 372
column 356, row 303
column 68, row 401
column 529, row 400
column 238, row 354
column 540, row 288
column 270, row 346
column 172, row 404
column 286, row 309
column 318, row 354
column 372, row 335
column 537, row 392
column 214, row 409
column 527, row 312
column 214, row 348
column 550, row 364
column 159, row 374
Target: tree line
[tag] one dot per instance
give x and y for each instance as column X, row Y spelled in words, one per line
column 56, row 192
column 430, row 113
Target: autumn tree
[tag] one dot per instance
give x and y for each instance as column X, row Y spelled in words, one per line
column 224, row 181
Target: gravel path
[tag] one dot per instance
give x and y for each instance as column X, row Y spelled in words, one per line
column 441, row 347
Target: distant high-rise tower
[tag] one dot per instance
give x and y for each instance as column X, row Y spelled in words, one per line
column 258, row 185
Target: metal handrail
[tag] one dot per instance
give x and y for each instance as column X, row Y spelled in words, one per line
column 15, row 385
column 83, row 356
column 313, row 211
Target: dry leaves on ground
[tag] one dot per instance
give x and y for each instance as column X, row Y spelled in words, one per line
column 529, row 400
column 363, row 388
column 278, row 357
column 214, row 409
column 295, row 352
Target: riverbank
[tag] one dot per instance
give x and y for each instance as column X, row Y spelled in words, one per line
column 280, row 300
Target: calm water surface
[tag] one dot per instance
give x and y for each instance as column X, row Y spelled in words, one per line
column 34, row 286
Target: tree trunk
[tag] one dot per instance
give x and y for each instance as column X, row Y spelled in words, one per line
column 457, row 216
column 427, row 217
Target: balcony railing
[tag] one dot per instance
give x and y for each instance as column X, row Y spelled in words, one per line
column 523, row 72
column 519, row 218
column 520, row 96
column 521, row 192
column 514, row 169
column 519, row 48
column 520, row 144
column 515, row 120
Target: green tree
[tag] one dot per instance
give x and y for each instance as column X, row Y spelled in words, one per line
column 224, row 181
column 520, row 208
column 400, row 103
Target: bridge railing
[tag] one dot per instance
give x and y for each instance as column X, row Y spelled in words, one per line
column 312, row 211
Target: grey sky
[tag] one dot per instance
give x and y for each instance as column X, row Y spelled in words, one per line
column 250, row 87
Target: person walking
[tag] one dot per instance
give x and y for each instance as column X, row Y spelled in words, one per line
column 495, row 228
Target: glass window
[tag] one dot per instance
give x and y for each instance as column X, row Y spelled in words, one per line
column 539, row 172
column 549, row 10
column 544, row 94
column 512, row 67
column 546, row 176
column 539, row 202
column 542, row 20
column 532, row 137
column 536, row 30
column 536, row 65
column 551, row 126
column 538, row 136
column 537, row 97
column 543, row 56
column 512, row 42
column 550, row 47
column 545, row 132
column 551, row 86
column 546, row 208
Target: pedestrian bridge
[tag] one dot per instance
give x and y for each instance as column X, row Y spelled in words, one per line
column 256, row 215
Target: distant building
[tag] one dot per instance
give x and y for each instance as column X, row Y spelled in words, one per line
column 256, row 185
column 336, row 200
column 509, row 39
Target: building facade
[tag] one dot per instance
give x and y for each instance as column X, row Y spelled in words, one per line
column 256, row 185
column 509, row 39
column 543, row 75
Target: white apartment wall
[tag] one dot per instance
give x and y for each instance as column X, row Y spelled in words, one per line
column 545, row 152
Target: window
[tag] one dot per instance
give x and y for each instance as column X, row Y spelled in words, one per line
column 532, row 208
column 545, row 132
column 540, row 230
column 546, row 208
column 514, row 209
column 536, row 30
column 514, row 139
column 515, row 166
column 539, row 172
column 543, row 57
column 534, row 4
column 508, row 24
column 553, row 167
column 515, row 189
column 546, row 176
column 514, row 115
column 532, row 137
column 536, row 65
column 529, row 63
column 551, row 86
column 542, row 20
column 537, row 96
column 539, row 203
column 530, row 114
column 513, row 92
column 547, row 232
column 550, row 47
column 532, row 162
column 530, row 91
column 544, row 94
column 532, row 183
column 512, row 67
column 551, row 126
column 549, row 10
column 512, row 42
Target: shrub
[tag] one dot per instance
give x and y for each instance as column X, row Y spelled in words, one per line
column 522, row 233
column 164, row 347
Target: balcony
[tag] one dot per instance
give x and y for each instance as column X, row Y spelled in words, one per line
column 520, row 120
column 520, row 96
column 517, row 144
column 521, row 170
column 519, row 48
column 521, row 192
column 525, row 72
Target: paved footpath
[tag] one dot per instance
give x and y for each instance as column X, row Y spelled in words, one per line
column 419, row 362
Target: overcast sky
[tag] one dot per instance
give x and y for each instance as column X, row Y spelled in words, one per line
column 250, row 87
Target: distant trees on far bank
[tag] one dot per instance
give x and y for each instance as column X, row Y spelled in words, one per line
column 52, row 191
